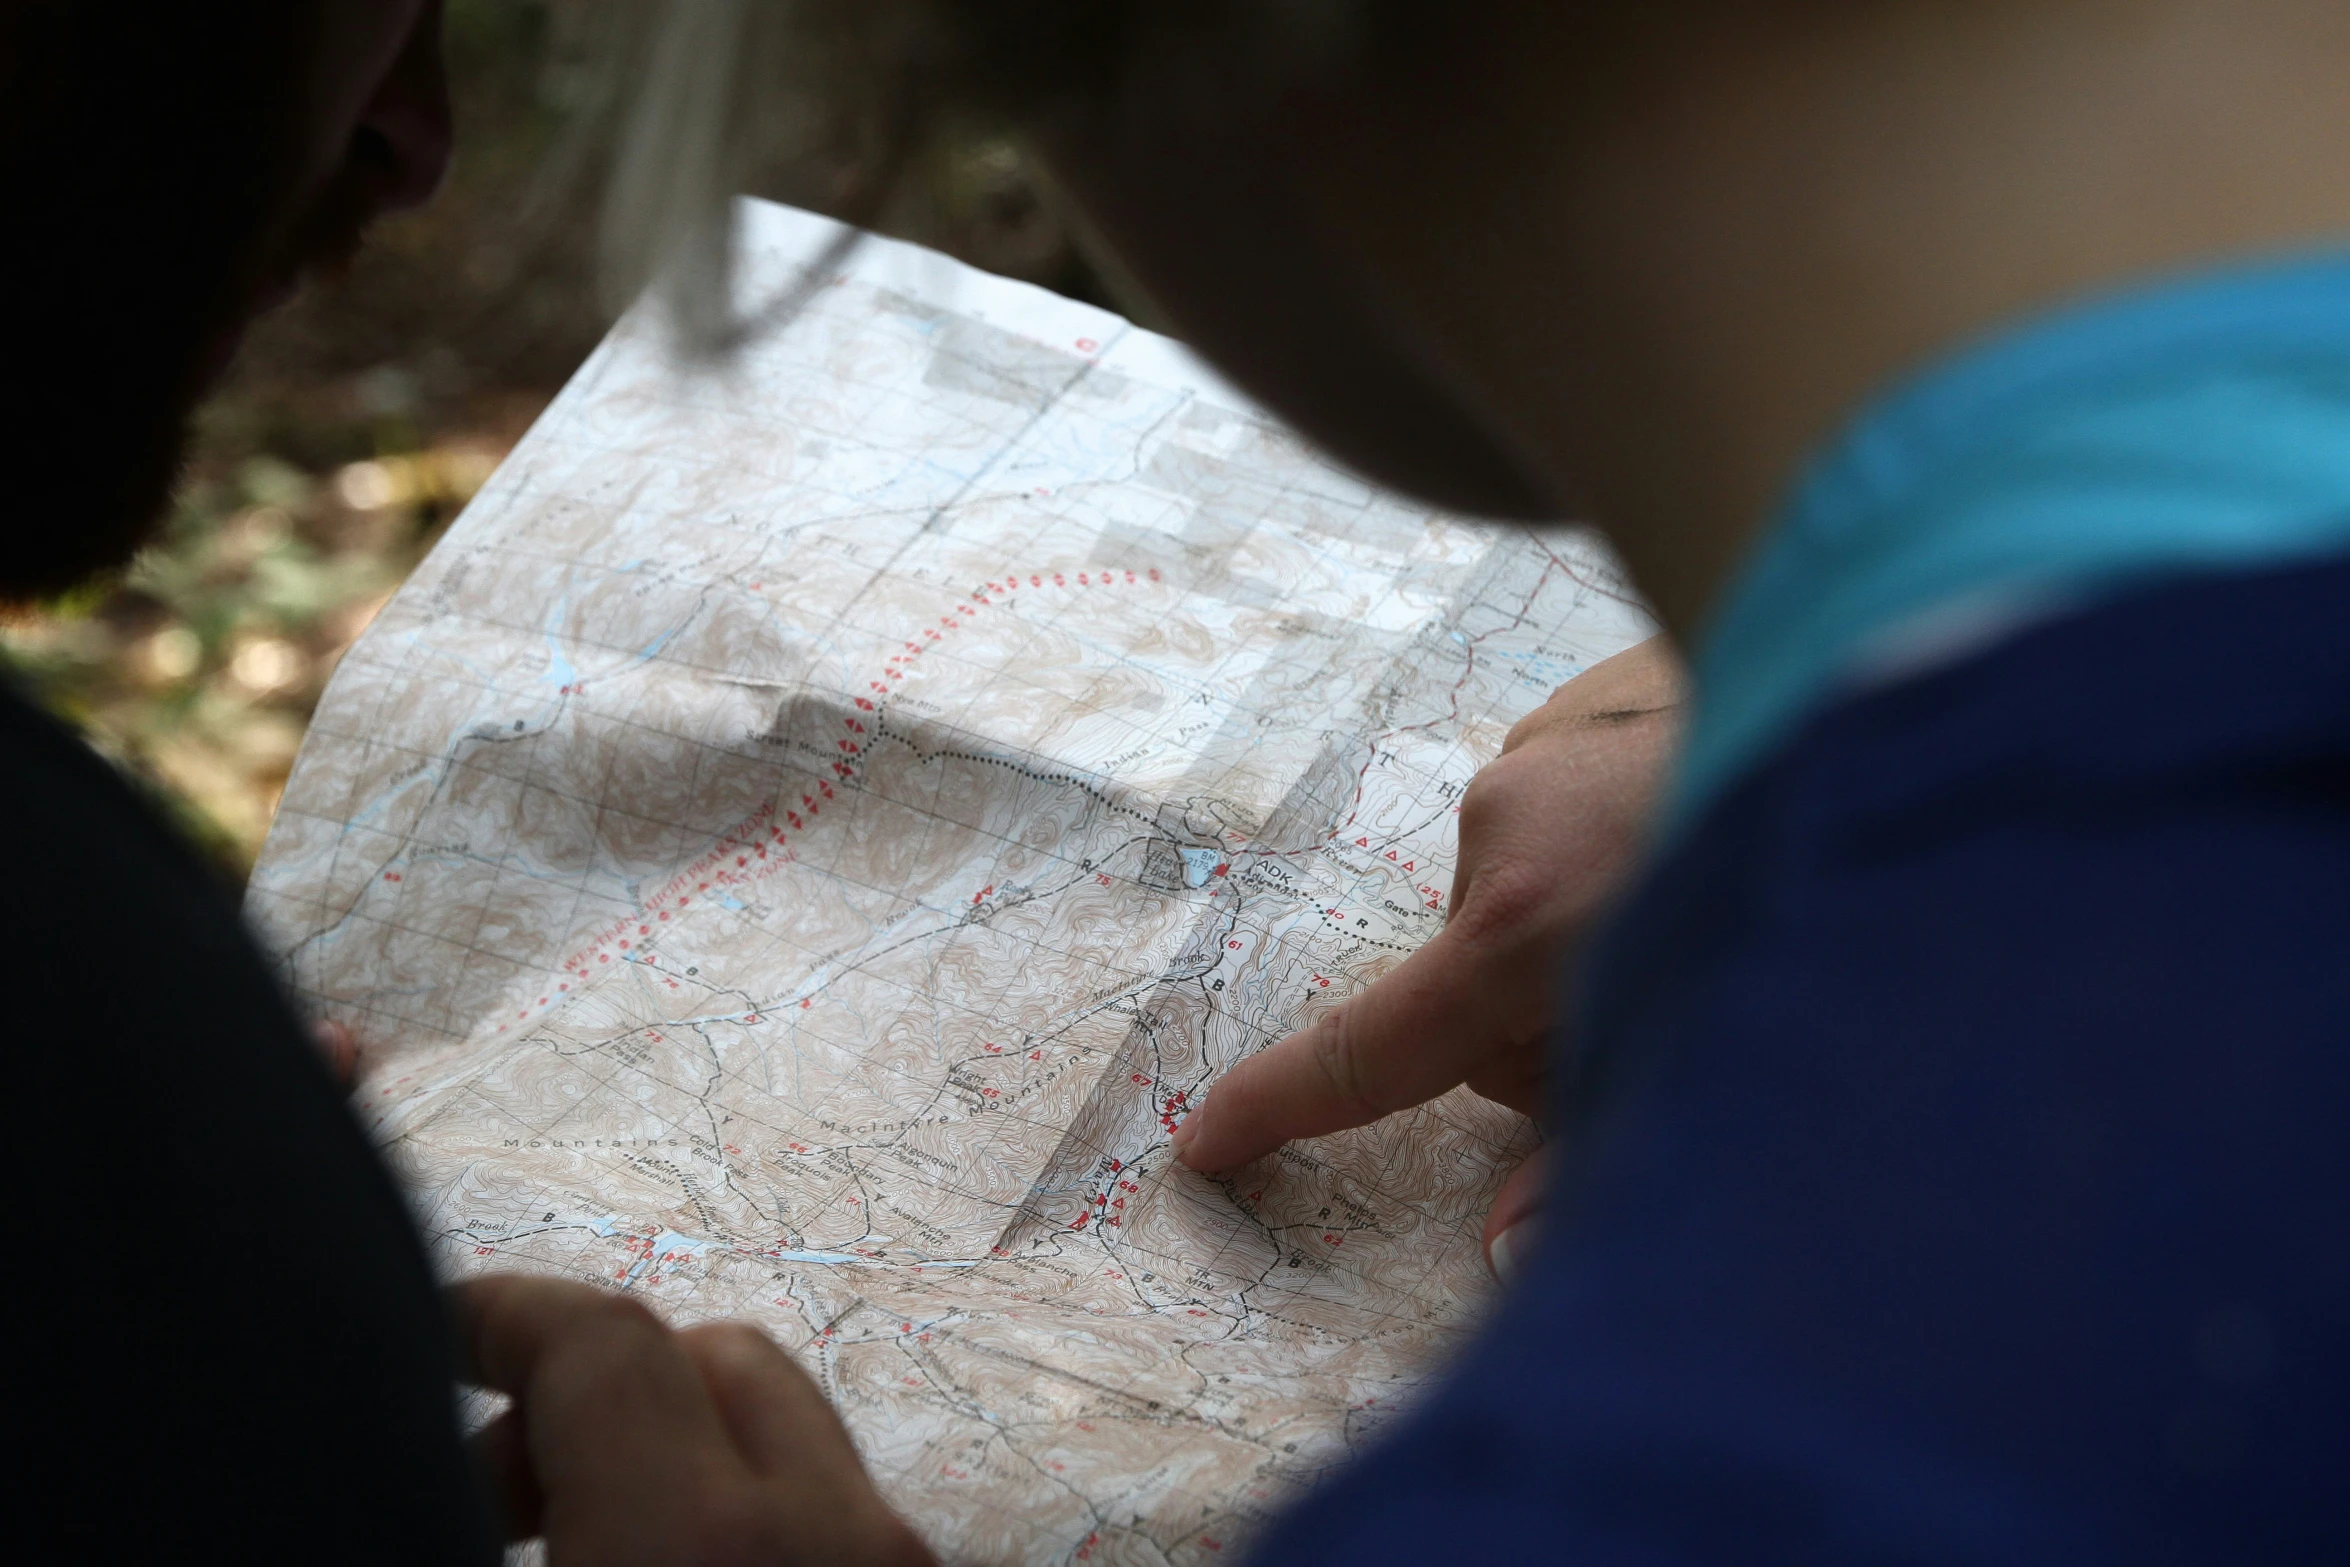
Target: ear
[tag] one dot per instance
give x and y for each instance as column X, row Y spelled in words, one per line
column 404, row 134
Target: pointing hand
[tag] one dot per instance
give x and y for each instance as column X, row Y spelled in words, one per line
column 1548, row 832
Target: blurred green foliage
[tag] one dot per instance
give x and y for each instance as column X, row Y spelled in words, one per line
column 360, row 419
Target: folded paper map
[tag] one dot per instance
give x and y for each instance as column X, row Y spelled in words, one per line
column 814, row 825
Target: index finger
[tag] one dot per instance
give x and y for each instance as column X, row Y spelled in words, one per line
column 531, row 1337
column 507, row 1323
column 620, row 1432
column 1430, row 1023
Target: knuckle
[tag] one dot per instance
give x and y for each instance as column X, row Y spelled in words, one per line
column 616, row 1313
column 501, row 1303
column 1488, row 791
column 1333, row 1053
column 731, row 1524
column 733, row 1338
column 1490, row 778
column 1508, row 780
column 1508, row 905
column 620, row 1335
column 730, row 1349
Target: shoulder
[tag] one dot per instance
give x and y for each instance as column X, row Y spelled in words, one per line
column 2173, row 761
column 78, row 842
column 121, row 943
column 247, row 1325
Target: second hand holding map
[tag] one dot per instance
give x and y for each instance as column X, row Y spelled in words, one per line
column 812, row 829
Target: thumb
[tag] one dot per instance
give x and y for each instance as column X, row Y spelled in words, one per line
column 1430, row 1023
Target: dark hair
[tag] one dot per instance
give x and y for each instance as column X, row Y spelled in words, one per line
column 144, row 151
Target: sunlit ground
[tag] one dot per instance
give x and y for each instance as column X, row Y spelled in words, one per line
column 199, row 667
column 359, row 420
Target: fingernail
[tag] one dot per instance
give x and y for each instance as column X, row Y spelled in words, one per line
column 1180, row 1138
column 1506, row 1253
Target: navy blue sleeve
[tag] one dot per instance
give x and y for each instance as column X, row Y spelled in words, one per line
column 1962, row 1173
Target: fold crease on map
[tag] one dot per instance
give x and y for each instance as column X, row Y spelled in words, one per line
column 810, row 830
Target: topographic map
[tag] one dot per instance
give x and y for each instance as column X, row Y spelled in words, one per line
column 809, row 831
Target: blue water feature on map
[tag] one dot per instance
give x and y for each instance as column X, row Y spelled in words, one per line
column 559, row 670
column 1544, row 668
column 1199, row 865
column 670, row 1241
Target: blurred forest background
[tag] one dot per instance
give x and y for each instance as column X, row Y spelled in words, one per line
column 360, row 419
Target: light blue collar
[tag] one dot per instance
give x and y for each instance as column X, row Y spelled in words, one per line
column 2188, row 426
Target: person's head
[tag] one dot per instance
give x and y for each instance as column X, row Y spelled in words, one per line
column 1521, row 257
column 1624, row 260
column 169, row 170
column 1191, row 140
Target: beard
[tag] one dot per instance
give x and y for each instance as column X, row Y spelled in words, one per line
column 149, row 152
